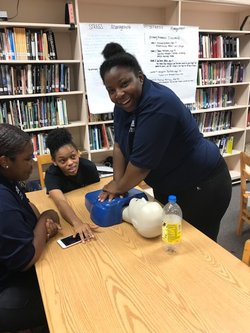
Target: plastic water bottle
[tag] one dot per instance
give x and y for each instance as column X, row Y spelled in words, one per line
column 171, row 225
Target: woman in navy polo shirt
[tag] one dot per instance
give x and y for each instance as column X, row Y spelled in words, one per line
column 23, row 235
column 157, row 140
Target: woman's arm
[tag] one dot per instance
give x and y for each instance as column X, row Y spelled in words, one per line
column 125, row 177
column 119, row 163
column 84, row 229
column 119, row 167
column 47, row 221
column 132, row 177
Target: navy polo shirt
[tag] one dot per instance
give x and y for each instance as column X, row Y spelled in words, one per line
column 87, row 174
column 166, row 140
column 17, row 222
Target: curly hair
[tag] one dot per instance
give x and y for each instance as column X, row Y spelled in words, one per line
column 115, row 55
column 58, row 138
column 13, row 140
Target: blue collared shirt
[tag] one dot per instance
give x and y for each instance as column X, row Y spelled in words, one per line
column 166, row 140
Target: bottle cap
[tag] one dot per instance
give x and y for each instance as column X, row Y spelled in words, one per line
column 172, row 198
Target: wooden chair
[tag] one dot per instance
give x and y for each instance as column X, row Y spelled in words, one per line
column 246, row 253
column 42, row 161
column 244, row 177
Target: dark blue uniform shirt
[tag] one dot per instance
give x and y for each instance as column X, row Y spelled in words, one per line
column 17, row 221
column 166, row 140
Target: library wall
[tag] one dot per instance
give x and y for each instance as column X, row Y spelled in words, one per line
column 120, row 14
column 228, row 21
column 204, row 15
column 45, row 11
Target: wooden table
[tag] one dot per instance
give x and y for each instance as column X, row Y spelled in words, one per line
column 123, row 282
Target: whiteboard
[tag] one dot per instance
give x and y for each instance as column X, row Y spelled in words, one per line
column 167, row 54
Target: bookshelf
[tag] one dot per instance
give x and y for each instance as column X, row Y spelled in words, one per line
column 223, row 92
column 214, row 18
column 44, row 92
column 234, row 77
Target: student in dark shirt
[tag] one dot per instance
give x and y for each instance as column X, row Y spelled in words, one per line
column 23, row 235
column 157, row 140
column 68, row 172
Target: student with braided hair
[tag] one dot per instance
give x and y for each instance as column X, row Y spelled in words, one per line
column 68, row 172
column 23, row 236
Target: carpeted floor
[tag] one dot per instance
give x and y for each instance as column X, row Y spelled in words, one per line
column 227, row 236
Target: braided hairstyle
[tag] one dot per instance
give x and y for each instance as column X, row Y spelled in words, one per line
column 13, row 140
column 58, row 138
column 115, row 55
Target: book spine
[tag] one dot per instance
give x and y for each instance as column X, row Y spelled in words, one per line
column 29, row 79
column 52, row 45
column 28, row 44
column 57, row 78
column 65, row 112
column 69, row 13
column 62, row 77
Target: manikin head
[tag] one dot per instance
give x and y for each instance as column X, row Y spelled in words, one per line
column 146, row 216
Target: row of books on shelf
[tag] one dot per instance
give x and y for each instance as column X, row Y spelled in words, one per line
column 218, row 46
column 214, row 121
column 191, row 106
column 39, row 144
column 19, row 43
column 224, row 143
column 217, row 97
column 101, row 116
column 37, row 113
column 101, row 136
column 34, row 79
column 220, row 72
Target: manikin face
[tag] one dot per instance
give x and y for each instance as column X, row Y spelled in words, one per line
column 21, row 167
column 124, row 87
column 67, row 159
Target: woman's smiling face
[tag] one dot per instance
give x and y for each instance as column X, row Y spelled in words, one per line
column 124, row 87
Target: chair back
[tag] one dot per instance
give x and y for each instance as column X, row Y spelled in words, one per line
column 246, row 253
column 244, row 170
column 42, row 162
column 244, row 178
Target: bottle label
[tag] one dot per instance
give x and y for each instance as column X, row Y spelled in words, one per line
column 171, row 233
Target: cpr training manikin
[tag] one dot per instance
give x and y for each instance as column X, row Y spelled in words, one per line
column 146, row 216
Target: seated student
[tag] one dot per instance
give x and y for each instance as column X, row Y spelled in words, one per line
column 23, row 235
column 68, row 172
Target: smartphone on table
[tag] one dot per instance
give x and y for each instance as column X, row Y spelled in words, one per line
column 69, row 241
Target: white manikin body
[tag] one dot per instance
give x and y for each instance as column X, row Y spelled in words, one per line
column 146, row 216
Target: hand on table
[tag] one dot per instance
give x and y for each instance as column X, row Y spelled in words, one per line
column 52, row 228
column 85, row 231
column 52, row 222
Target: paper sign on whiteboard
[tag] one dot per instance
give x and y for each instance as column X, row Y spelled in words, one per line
column 167, row 54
